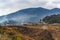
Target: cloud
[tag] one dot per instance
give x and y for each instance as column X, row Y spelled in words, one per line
column 8, row 6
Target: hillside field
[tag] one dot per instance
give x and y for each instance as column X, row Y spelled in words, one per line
column 30, row 32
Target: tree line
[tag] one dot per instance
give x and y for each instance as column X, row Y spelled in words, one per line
column 55, row 18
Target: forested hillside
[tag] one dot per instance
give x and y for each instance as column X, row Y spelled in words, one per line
column 52, row 19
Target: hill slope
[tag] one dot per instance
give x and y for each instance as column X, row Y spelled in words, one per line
column 36, row 32
column 28, row 15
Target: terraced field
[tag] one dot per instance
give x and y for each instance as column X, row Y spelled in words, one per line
column 30, row 32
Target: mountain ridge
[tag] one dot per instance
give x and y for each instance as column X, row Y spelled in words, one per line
column 28, row 15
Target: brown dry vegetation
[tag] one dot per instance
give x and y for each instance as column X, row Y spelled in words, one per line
column 30, row 32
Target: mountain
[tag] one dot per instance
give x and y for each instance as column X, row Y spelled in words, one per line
column 27, row 15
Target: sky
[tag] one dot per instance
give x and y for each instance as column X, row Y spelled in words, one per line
column 10, row 6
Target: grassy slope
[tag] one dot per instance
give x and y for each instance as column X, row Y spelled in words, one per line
column 30, row 32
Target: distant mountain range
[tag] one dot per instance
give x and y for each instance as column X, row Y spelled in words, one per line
column 27, row 15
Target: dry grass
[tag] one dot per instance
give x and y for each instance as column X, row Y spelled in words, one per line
column 29, row 32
